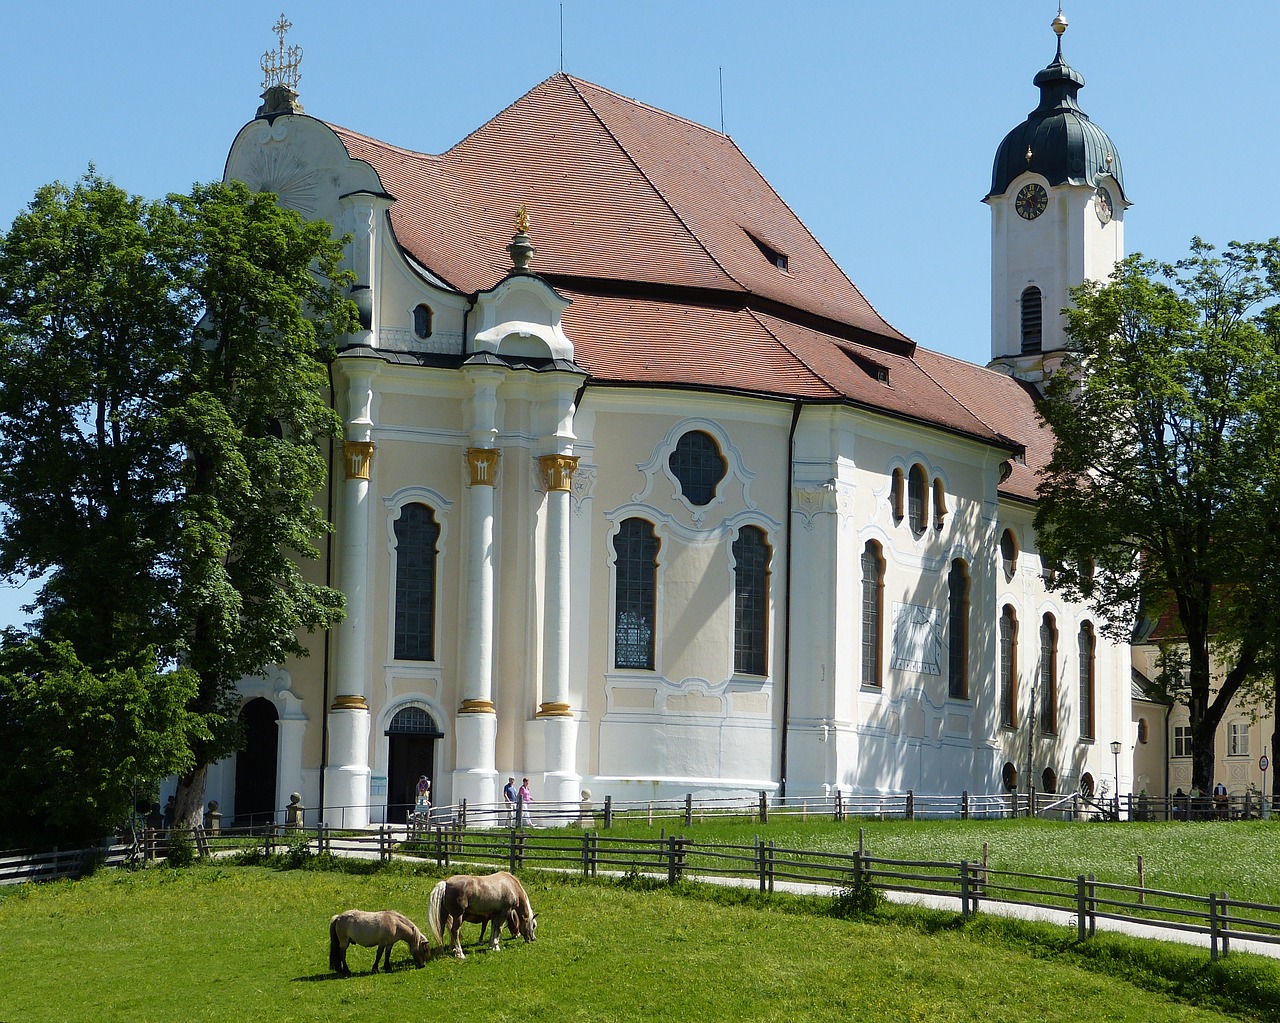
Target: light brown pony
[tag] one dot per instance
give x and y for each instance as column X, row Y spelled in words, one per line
column 383, row 928
column 493, row 899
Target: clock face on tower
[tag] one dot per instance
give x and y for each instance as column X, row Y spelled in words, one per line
column 1102, row 204
column 1031, row 201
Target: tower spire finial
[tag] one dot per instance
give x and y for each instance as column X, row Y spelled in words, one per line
column 1059, row 26
column 280, row 74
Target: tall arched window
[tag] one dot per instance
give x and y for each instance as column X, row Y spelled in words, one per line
column 1032, row 320
column 896, row 499
column 1009, row 553
column 1086, row 645
column 417, row 534
column 939, row 504
column 917, row 504
column 1048, row 674
column 636, row 589
column 1009, row 667
column 872, row 613
column 750, row 602
column 958, row 637
column 697, row 463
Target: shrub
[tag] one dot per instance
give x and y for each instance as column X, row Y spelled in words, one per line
column 182, row 850
column 859, row 898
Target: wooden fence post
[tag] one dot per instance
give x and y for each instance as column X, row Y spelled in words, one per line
column 1081, row 908
column 911, row 805
column 760, row 854
column 964, row 888
column 964, row 805
column 839, row 805
column 1224, row 921
column 764, row 807
column 688, row 809
column 1093, row 906
column 1213, row 925
column 608, row 812
column 770, row 860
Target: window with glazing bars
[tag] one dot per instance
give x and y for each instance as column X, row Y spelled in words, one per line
column 958, row 640
column 1048, row 675
column 1086, row 681
column 872, row 613
column 1008, row 668
column 417, row 535
column 751, row 602
column 697, row 463
column 636, row 575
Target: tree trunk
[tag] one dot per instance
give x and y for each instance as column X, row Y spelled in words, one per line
column 1275, row 741
column 188, row 807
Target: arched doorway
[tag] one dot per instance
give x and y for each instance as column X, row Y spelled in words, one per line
column 256, row 764
column 411, row 747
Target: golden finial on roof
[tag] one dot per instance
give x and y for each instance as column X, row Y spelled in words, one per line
column 521, row 248
column 281, row 67
column 522, row 220
column 1059, row 23
column 1028, row 156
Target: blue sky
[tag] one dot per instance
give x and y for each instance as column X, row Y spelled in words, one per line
column 876, row 120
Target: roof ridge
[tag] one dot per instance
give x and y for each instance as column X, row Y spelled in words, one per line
column 379, row 142
column 647, row 106
column 574, row 83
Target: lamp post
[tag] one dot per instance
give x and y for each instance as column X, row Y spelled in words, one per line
column 1115, row 753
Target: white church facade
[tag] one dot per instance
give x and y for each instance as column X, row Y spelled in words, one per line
column 647, row 498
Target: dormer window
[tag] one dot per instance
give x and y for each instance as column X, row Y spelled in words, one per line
column 422, row 321
column 772, row 255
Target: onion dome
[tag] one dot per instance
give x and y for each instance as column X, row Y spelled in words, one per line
column 1057, row 140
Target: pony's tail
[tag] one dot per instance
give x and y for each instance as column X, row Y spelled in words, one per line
column 335, row 953
column 434, row 908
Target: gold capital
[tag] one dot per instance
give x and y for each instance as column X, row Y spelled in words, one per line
column 349, row 703
column 359, row 458
column 476, row 707
column 554, row 710
column 484, row 466
column 558, row 470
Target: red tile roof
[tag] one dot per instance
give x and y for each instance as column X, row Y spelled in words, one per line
column 654, row 226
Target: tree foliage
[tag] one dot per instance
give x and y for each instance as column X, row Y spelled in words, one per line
column 163, row 421
column 1164, row 419
column 78, row 740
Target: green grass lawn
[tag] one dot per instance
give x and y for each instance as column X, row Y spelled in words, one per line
column 1241, row 858
column 222, row 942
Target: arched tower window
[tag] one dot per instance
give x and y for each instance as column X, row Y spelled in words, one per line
column 872, row 613
column 417, row 534
column 896, row 499
column 1048, row 674
column 958, row 629
column 636, row 589
column 750, row 602
column 1008, row 667
column 1032, row 320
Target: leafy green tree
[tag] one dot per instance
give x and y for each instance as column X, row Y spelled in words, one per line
column 76, row 740
column 163, row 421
column 1152, row 499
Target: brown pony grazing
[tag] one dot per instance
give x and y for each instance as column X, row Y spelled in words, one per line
column 493, row 899
column 383, row 929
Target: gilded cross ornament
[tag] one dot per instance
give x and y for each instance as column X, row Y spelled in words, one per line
column 281, row 67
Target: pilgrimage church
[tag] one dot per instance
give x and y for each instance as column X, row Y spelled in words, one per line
column 639, row 494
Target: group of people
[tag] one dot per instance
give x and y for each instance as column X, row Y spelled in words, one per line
column 517, row 799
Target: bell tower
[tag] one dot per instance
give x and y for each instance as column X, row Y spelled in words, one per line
column 1057, row 219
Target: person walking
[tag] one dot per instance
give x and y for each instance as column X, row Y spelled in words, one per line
column 509, row 794
column 523, row 799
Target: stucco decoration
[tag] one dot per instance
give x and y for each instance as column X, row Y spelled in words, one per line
column 582, row 487
column 735, row 487
column 520, row 318
column 829, row 498
column 278, row 169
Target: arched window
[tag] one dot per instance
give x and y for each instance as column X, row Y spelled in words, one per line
column 1143, row 733
column 958, row 631
column 422, row 318
column 917, row 508
column 896, row 499
column 1009, row 553
column 1049, row 781
column 750, row 602
column 636, row 566
column 417, row 534
column 872, row 613
column 939, row 504
column 1086, row 645
column 1032, row 318
column 1008, row 667
column 697, row 463
column 1048, row 674
column 1086, row 784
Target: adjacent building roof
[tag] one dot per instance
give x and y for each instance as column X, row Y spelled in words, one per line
column 685, row 268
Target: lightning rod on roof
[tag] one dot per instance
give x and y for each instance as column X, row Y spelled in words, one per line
column 722, row 100
column 562, row 38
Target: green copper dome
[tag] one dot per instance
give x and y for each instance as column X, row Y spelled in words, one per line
column 1064, row 145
